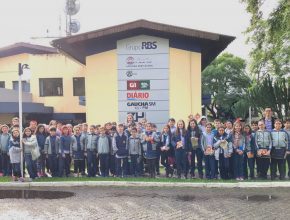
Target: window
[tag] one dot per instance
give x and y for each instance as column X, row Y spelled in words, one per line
column 25, row 86
column 79, row 86
column 50, row 87
column 2, row 84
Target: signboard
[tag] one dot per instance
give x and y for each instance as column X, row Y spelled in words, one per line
column 143, row 86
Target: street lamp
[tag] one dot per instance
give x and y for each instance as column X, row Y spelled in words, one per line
column 21, row 67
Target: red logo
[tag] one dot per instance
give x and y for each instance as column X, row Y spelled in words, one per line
column 130, row 60
column 133, row 85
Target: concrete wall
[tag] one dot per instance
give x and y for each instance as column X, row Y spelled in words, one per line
column 9, row 95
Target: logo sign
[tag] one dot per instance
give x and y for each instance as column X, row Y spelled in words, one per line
column 141, row 105
column 137, row 115
column 130, row 73
column 138, row 84
column 137, row 95
column 149, row 45
column 130, row 60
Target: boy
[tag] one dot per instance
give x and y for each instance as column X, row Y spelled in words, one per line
column 51, row 150
column 4, row 147
column 78, row 151
column 120, row 147
column 134, row 145
column 91, row 151
column 287, row 129
column 254, row 126
column 171, row 123
column 103, row 148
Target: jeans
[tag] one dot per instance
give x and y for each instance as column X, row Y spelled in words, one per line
column 31, row 166
column 91, row 163
column 180, row 158
column 281, row 163
column 134, row 164
column 16, row 171
column 238, row 165
column 210, row 170
column 224, row 165
column 64, row 164
column 121, row 166
column 248, row 162
column 41, row 163
column 5, row 162
column 104, row 164
column 198, row 154
column 53, row 164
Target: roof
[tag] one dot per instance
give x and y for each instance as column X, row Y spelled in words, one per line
column 89, row 43
column 19, row 48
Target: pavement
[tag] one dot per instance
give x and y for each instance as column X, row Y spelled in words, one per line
column 176, row 203
column 269, row 184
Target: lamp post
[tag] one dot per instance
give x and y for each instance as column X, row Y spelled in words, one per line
column 21, row 67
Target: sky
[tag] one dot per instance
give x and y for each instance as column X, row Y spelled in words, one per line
column 31, row 20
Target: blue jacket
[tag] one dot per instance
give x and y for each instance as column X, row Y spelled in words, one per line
column 41, row 141
column 176, row 138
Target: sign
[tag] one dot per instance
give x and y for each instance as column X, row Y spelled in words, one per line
column 143, row 81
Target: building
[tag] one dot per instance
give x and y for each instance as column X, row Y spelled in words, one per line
column 56, row 89
column 149, row 69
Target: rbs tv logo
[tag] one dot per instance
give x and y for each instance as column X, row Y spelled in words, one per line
column 138, row 85
column 149, row 45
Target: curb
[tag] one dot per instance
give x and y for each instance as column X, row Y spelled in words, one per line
column 145, row 184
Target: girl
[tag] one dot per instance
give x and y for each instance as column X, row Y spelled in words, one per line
column 249, row 152
column 41, row 135
column 263, row 143
column 167, row 150
column 15, row 155
column 202, row 123
column 149, row 141
column 208, row 150
column 77, row 151
column 193, row 136
column 180, row 146
column 66, row 150
column 239, row 147
column 279, row 149
column 29, row 144
column 223, row 144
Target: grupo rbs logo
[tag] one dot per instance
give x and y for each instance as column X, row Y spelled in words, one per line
column 145, row 45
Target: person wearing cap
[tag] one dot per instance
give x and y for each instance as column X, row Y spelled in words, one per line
column 4, row 148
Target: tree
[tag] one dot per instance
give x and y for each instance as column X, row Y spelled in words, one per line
column 226, row 81
column 271, row 39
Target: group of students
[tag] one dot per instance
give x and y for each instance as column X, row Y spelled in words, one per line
column 226, row 151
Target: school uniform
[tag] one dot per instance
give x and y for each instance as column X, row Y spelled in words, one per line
column 134, row 145
column 249, row 162
column 150, row 151
column 84, row 161
column 4, row 157
column 238, row 144
column 288, row 155
column 209, row 159
column 15, row 156
column 120, row 146
column 157, row 165
column 42, row 159
column 104, row 146
column 280, row 144
column 196, row 152
column 66, row 153
column 263, row 141
column 29, row 144
column 52, row 150
column 77, row 153
column 168, row 155
column 224, row 154
column 91, row 150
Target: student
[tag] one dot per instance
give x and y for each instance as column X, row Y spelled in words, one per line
column 202, row 123
column 41, row 135
column 224, row 148
column 229, row 127
column 263, row 144
column 120, row 146
column 65, row 150
column 84, row 127
column 134, row 145
column 158, row 133
column 208, row 151
column 52, row 151
column 287, row 129
column 112, row 156
column 239, row 147
column 91, row 151
column 217, row 124
column 4, row 147
column 249, row 153
column 29, row 144
column 104, row 146
column 167, row 151
column 280, row 146
column 149, row 140
column 180, row 146
column 254, row 126
column 171, row 123
column 193, row 136
column 15, row 155
column 77, row 151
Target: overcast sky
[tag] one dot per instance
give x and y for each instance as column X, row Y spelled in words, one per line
column 22, row 19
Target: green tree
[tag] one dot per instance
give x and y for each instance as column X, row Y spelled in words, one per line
column 226, row 81
column 270, row 36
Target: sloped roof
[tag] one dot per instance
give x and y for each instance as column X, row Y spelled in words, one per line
column 19, row 48
column 89, row 43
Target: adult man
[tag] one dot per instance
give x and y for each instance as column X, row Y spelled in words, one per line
column 269, row 119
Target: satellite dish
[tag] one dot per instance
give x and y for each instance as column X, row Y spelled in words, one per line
column 72, row 7
column 74, row 26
